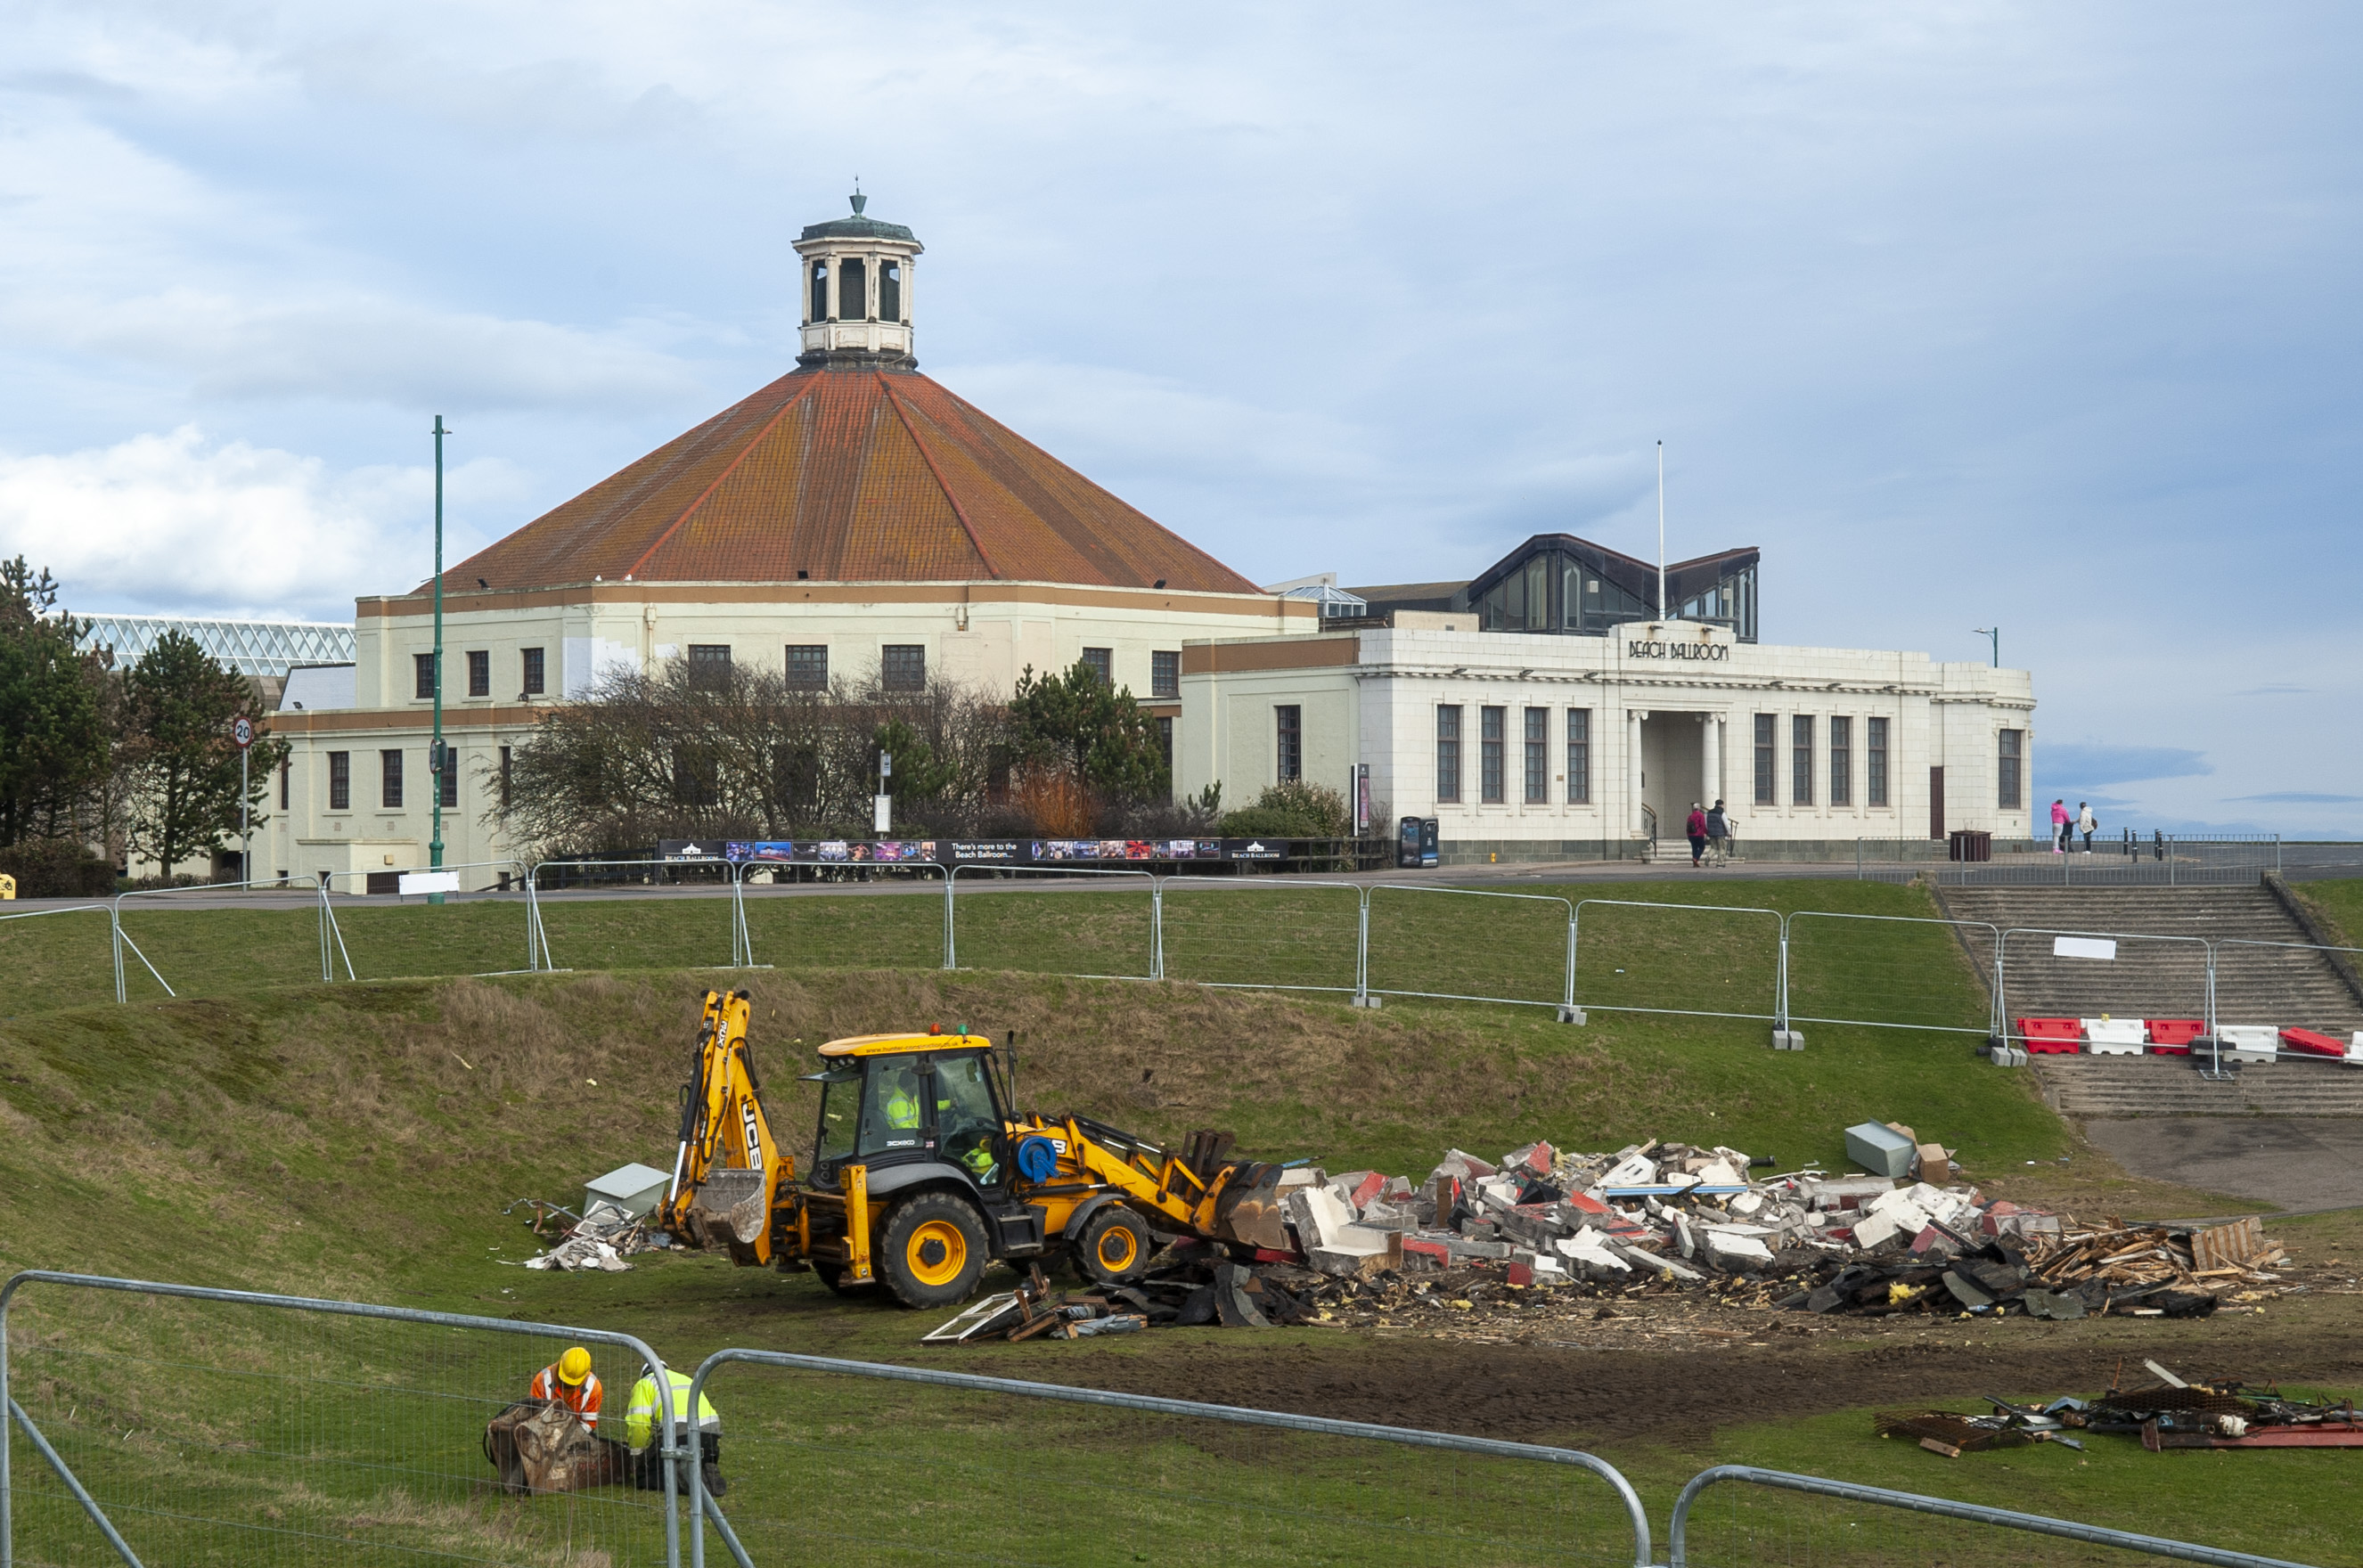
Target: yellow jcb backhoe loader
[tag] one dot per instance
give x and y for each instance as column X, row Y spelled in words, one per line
column 923, row 1171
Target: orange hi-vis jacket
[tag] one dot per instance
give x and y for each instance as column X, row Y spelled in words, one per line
column 582, row 1400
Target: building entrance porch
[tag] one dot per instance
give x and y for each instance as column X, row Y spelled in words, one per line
column 1673, row 758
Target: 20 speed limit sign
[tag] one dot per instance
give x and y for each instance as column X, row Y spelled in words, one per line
column 243, row 732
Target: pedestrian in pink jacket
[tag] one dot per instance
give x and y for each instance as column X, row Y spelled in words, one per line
column 2059, row 825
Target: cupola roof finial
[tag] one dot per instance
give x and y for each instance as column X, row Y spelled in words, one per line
column 859, row 200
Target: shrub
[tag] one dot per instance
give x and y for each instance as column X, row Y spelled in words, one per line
column 57, row 868
column 1296, row 809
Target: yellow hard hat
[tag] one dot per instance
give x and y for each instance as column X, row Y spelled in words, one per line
column 574, row 1365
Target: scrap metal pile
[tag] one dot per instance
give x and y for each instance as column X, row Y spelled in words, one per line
column 601, row 1238
column 2170, row 1413
column 1650, row 1219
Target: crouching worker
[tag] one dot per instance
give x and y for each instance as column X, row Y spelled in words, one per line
column 639, row 1426
column 570, row 1383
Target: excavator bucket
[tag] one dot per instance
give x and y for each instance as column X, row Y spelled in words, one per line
column 727, row 1210
column 1247, row 1209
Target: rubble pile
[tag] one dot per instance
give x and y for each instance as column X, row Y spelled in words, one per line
column 2169, row 1413
column 600, row 1238
column 1650, row 1219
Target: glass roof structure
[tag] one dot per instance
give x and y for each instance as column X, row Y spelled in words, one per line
column 244, row 647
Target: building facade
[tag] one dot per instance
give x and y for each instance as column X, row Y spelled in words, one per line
column 1580, row 743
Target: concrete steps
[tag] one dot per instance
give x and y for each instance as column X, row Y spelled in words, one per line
column 2168, row 1086
column 2288, row 986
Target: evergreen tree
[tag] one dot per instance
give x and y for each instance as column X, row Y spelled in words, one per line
column 1091, row 729
column 53, row 739
column 178, row 706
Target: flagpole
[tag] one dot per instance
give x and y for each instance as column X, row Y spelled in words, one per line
column 1661, row 530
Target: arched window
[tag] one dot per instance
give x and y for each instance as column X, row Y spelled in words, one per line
column 889, row 290
column 819, row 311
column 852, row 291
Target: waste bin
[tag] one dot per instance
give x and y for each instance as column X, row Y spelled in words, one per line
column 1969, row 844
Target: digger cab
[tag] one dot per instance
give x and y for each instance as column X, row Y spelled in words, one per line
column 891, row 1101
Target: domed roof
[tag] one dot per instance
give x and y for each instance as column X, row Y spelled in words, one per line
column 857, row 226
column 843, row 474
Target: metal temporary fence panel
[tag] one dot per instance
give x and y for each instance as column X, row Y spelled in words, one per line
column 1741, row 1516
column 1896, row 971
column 1706, row 960
column 213, row 1426
column 1467, row 945
column 50, row 959
column 880, row 917
column 377, row 932
column 218, row 939
column 1263, row 932
column 2095, row 973
column 2290, row 985
column 919, row 1465
column 634, row 914
column 1089, row 923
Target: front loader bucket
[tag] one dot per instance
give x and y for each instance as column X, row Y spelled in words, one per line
column 728, row 1210
column 1247, row 1209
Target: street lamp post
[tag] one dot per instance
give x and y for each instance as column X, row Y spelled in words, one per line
column 436, row 760
column 1993, row 633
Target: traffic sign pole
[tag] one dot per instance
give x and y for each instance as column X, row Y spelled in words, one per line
column 435, row 753
column 243, row 732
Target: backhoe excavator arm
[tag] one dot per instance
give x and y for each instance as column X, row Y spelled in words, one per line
column 726, row 1167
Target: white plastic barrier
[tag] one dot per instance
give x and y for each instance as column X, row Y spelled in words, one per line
column 2251, row 1042
column 2116, row 1036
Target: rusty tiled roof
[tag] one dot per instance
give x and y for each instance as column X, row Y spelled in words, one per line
column 848, row 474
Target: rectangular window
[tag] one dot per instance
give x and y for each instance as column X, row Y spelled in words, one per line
column 1801, row 760
column 480, row 673
column 1766, row 738
column 1537, row 756
column 1578, row 757
column 448, row 780
column 852, row 291
column 389, row 780
column 1841, row 762
column 1292, row 741
column 902, row 666
column 422, row 666
column 1448, row 756
column 505, row 775
column 1165, row 740
column 1102, row 662
column 1165, row 674
column 1492, row 724
column 2013, row 754
column 1874, row 777
column 709, row 666
column 889, row 290
column 285, row 768
column 535, row 680
column 340, row 782
column 808, row 667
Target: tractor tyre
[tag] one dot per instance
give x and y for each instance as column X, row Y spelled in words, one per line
column 1113, row 1247
column 932, row 1251
column 833, row 1276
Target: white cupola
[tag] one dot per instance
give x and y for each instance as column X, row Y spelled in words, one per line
column 857, row 291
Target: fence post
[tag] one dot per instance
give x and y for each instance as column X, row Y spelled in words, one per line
column 1780, row 991
column 1568, row 1000
column 1362, row 952
column 1156, row 926
column 115, row 936
column 951, row 934
column 1858, row 851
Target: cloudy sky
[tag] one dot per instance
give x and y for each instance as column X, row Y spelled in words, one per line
column 1969, row 314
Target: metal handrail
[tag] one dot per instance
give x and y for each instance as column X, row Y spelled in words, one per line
column 1240, row 1415
column 670, row 1445
column 1677, row 1530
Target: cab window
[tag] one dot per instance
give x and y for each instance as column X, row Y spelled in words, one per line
column 840, row 1111
column 894, row 1116
column 967, row 1125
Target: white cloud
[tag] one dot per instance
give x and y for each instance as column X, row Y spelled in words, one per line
column 174, row 523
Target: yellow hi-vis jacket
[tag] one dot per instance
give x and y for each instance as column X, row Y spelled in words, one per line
column 640, row 1416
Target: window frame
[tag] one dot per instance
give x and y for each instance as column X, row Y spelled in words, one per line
column 534, row 672
column 388, row 779
column 707, row 661
column 1102, row 663
column 480, row 672
column 2010, row 769
column 1288, row 741
column 1841, row 767
column 1801, row 729
column 422, row 671
column 1537, row 737
column 1165, row 673
column 1768, row 759
column 1448, row 734
column 893, row 679
column 340, row 780
column 809, row 673
column 1578, row 757
column 447, row 783
column 1874, row 749
column 1492, row 755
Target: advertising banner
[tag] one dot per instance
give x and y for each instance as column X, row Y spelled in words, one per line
column 1044, row 852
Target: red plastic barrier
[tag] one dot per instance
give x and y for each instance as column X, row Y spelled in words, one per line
column 2306, row 1040
column 2053, row 1036
column 2172, row 1037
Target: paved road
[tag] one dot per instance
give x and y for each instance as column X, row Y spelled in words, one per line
column 2298, row 1163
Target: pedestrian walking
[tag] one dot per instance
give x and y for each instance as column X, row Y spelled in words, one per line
column 2060, row 822
column 1694, row 829
column 2087, row 824
column 1718, row 834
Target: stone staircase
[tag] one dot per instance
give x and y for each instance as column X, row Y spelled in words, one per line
column 2163, row 979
